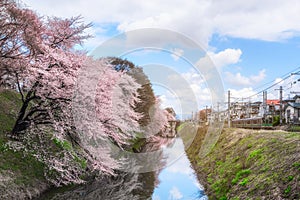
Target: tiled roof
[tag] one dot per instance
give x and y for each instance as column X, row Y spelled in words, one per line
column 273, row 102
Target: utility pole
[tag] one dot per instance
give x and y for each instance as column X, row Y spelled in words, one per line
column 249, row 108
column 280, row 107
column 218, row 105
column 280, row 92
column 205, row 113
column 229, row 118
column 264, row 104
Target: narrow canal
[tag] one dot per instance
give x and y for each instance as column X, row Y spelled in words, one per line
column 176, row 180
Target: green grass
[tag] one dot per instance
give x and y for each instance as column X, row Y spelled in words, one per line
column 64, row 144
column 255, row 153
column 290, row 178
column 180, row 127
column 287, row 190
column 24, row 166
column 244, row 182
column 296, row 165
column 20, row 168
column 295, row 128
column 240, row 174
column 10, row 102
column 247, row 164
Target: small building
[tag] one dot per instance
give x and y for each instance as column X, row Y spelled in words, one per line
column 292, row 110
column 273, row 107
column 242, row 110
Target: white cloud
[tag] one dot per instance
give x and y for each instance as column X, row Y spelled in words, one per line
column 168, row 99
column 155, row 197
column 175, row 194
column 198, row 19
column 93, row 42
column 271, row 20
column 174, row 90
column 244, row 92
column 177, row 53
column 226, row 57
column 189, row 91
column 290, row 84
column 250, row 19
column 179, row 163
column 259, row 77
column 181, row 166
column 279, row 81
column 218, row 61
column 239, row 80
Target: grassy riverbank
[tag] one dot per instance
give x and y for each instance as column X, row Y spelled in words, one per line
column 248, row 164
column 21, row 175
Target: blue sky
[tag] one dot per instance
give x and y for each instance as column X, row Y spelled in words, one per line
column 251, row 43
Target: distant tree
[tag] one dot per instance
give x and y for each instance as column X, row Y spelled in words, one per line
column 203, row 114
column 171, row 112
column 120, row 64
column 145, row 92
column 153, row 119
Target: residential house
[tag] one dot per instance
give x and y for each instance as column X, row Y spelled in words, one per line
column 273, row 107
column 241, row 110
column 292, row 110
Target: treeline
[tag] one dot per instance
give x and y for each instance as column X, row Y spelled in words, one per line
column 73, row 106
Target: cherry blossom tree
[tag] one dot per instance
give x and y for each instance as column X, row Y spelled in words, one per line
column 153, row 119
column 38, row 60
column 158, row 120
column 115, row 101
column 38, row 57
column 20, row 39
column 103, row 108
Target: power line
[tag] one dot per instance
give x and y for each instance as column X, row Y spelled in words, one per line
column 288, row 73
column 265, row 88
column 286, row 76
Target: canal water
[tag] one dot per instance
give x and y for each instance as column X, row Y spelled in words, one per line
column 178, row 179
column 175, row 180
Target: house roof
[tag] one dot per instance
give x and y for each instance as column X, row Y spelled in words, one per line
column 273, row 102
column 296, row 97
column 294, row 105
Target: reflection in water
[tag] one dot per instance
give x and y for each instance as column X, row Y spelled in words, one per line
column 175, row 181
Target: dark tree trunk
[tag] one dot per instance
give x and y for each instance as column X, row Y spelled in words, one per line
column 22, row 121
column 21, row 124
